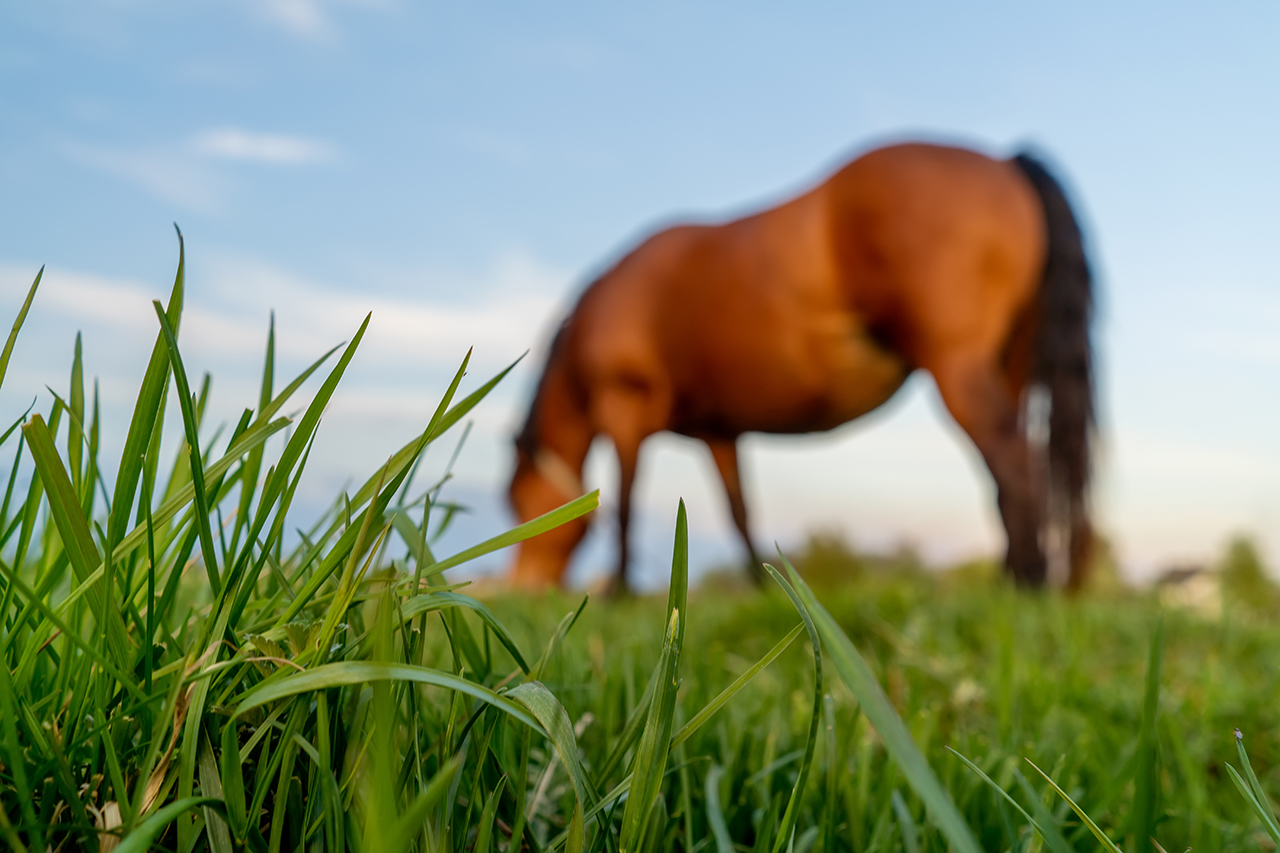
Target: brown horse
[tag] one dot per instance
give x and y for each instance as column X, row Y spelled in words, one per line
column 807, row 315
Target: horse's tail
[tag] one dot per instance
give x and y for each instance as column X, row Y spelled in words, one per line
column 1064, row 369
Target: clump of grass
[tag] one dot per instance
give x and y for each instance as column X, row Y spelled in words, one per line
column 178, row 674
column 175, row 676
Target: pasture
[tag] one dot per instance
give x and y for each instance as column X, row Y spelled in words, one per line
column 182, row 673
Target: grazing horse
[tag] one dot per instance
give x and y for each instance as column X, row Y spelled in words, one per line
column 805, row 316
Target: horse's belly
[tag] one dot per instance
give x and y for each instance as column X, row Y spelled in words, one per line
column 857, row 377
column 793, row 384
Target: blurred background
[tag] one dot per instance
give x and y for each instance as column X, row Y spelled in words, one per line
column 464, row 173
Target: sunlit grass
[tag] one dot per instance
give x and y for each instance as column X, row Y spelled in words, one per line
column 183, row 671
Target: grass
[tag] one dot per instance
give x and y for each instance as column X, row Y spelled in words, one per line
column 182, row 672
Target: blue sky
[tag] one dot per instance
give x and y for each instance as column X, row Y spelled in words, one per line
column 462, row 172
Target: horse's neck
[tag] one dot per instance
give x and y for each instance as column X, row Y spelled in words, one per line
column 558, row 472
column 561, row 423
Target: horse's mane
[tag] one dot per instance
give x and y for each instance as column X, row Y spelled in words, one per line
column 527, row 439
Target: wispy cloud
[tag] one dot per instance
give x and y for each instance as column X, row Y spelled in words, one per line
column 307, row 20
column 234, row 143
column 501, row 312
column 304, row 19
column 195, row 173
column 171, row 174
column 507, row 309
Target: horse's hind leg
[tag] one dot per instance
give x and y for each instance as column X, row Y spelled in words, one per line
column 984, row 403
column 725, row 454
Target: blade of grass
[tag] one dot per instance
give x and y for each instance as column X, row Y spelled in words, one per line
column 17, row 326
column 651, row 757
column 555, row 720
column 484, row 835
column 715, row 813
column 216, row 828
column 145, row 413
column 557, row 637
column 830, row 807
column 633, row 728
column 573, row 509
column 853, row 670
column 293, row 450
column 1045, row 823
column 910, row 842
column 253, row 437
column 139, row 841
column 473, row 399
column 64, row 506
column 1106, row 842
column 13, row 472
column 1146, row 773
column 792, row 813
column 1257, row 798
column 722, row 699
column 359, row 672
column 191, row 426
column 73, row 637
column 1056, row 842
column 253, row 463
column 433, row 601
column 75, row 429
column 1264, row 813
column 410, row 823
column 233, row 780
column 15, row 760
column 685, row 807
column 92, row 475
column 31, row 508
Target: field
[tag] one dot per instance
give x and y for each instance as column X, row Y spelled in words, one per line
column 180, row 673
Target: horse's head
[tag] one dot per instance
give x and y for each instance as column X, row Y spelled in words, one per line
column 542, row 482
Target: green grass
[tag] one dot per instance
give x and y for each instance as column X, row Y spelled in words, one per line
column 182, row 672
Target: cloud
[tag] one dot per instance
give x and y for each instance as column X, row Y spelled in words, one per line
column 502, row 312
column 171, row 174
column 304, row 19
column 233, row 143
column 307, row 20
column 194, row 173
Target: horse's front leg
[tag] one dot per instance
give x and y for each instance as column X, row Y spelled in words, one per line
column 725, row 453
column 628, row 412
column 628, row 455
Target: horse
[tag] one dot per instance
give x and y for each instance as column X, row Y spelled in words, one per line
column 809, row 314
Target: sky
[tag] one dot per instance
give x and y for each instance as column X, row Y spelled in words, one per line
column 463, row 173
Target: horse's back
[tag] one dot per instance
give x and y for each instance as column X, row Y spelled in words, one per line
column 811, row 313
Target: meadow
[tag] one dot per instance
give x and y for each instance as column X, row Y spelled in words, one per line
column 182, row 671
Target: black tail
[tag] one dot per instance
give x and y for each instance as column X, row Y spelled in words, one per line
column 1064, row 368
